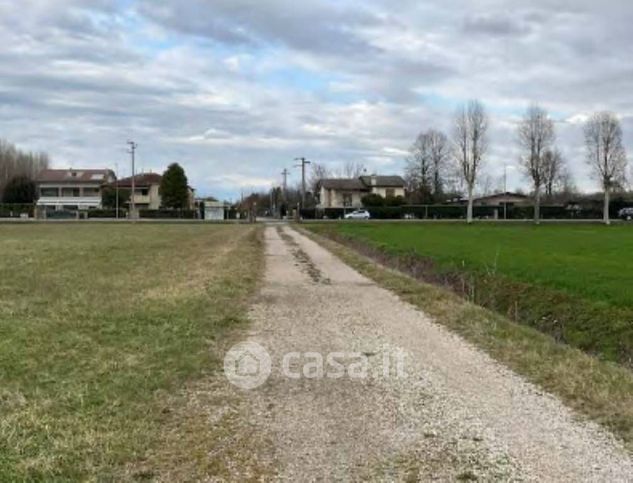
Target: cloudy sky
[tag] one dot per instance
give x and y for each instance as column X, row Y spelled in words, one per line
column 235, row 89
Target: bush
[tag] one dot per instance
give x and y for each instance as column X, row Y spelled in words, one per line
column 386, row 212
column 395, row 201
column 457, row 212
column 168, row 214
column 106, row 213
column 372, row 200
column 15, row 210
column 109, row 197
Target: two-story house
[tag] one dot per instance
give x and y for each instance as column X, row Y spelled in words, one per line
column 147, row 191
column 72, row 189
column 349, row 192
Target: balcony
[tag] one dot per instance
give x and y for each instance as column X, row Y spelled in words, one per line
column 80, row 201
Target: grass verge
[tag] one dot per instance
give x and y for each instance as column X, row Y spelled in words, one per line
column 600, row 390
column 100, row 326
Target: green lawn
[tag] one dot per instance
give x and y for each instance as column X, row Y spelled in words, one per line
column 100, row 327
column 592, row 261
column 571, row 281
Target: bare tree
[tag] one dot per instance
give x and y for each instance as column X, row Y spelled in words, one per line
column 427, row 164
column 470, row 145
column 14, row 162
column 318, row 172
column 554, row 170
column 605, row 153
column 351, row 169
column 536, row 136
column 418, row 169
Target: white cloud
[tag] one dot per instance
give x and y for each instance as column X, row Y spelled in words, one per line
column 240, row 88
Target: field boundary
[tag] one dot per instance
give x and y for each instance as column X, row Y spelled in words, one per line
column 599, row 390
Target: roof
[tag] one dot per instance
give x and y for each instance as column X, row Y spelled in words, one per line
column 343, row 184
column 364, row 183
column 96, row 176
column 384, row 181
column 143, row 179
column 499, row 195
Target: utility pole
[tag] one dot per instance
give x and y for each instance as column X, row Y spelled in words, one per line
column 285, row 174
column 505, row 191
column 132, row 152
column 303, row 164
column 116, row 184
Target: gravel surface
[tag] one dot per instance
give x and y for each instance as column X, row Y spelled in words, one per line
column 452, row 414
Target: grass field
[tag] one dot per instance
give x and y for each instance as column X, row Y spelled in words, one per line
column 591, row 261
column 572, row 281
column 100, row 325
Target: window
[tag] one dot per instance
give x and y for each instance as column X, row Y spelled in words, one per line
column 347, row 199
column 142, row 192
column 49, row 192
column 70, row 192
column 390, row 192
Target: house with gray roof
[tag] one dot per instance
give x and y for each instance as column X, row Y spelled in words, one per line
column 348, row 192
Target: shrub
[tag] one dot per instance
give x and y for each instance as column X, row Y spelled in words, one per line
column 395, row 201
column 167, row 214
column 372, row 200
column 109, row 195
column 15, row 210
column 106, row 213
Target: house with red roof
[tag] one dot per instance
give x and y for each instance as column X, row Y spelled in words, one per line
column 72, row 189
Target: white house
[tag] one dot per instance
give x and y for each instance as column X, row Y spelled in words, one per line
column 72, row 189
column 348, row 192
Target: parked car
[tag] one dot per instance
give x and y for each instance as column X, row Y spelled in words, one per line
column 358, row 215
column 626, row 214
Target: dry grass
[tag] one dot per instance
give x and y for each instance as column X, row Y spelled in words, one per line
column 600, row 390
column 104, row 333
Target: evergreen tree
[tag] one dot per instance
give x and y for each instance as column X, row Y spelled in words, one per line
column 19, row 190
column 174, row 189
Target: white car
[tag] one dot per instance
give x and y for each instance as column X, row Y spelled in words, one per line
column 358, row 215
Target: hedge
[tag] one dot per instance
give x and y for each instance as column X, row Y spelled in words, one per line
column 15, row 210
column 438, row 212
column 106, row 213
column 168, row 214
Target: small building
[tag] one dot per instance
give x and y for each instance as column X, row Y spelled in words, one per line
column 348, row 192
column 71, row 189
column 503, row 199
column 214, row 210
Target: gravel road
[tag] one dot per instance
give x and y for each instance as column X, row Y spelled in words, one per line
column 440, row 409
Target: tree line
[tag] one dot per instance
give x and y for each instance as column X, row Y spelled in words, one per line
column 18, row 170
column 440, row 165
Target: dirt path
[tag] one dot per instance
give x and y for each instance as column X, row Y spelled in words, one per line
column 455, row 414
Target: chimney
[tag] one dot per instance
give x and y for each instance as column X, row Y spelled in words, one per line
column 374, row 180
